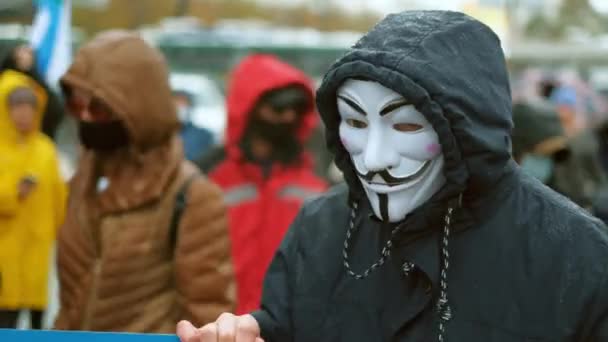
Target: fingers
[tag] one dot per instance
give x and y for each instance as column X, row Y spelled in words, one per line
column 226, row 327
column 208, row 333
column 186, row 331
column 248, row 329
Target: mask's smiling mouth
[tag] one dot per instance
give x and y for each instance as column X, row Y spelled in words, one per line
column 383, row 180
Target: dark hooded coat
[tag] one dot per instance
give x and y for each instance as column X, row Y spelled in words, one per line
column 521, row 263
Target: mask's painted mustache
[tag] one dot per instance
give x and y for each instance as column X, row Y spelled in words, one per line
column 392, row 180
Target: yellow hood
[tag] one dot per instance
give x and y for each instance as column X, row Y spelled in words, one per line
column 9, row 81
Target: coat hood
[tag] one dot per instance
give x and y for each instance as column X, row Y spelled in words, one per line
column 254, row 76
column 121, row 69
column 452, row 68
column 9, row 81
column 131, row 77
column 538, row 129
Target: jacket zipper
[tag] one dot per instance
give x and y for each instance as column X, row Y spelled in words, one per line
column 88, row 314
column 95, row 236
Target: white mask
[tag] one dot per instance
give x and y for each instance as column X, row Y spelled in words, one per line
column 394, row 149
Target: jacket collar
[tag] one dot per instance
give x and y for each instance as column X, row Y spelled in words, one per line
column 132, row 179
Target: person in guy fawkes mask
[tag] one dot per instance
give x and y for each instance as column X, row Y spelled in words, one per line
column 437, row 235
column 145, row 241
column 263, row 168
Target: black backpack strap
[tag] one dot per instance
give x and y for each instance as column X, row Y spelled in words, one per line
column 181, row 200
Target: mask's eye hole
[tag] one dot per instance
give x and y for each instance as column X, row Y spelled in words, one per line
column 356, row 123
column 407, row 127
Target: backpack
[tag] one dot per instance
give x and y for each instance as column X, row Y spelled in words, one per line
column 181, row 201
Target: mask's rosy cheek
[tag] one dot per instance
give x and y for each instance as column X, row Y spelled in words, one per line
column 344, row 143
column 433, row 149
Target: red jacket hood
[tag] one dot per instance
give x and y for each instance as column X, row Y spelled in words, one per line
column 252, row 77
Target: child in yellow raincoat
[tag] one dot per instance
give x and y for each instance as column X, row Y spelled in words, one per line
column 32, row 199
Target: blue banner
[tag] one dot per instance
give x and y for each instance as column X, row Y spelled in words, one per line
column 51, row 38
column 9, row 335
column 44, row 51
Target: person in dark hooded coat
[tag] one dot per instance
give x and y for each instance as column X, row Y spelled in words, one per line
column 491, row 255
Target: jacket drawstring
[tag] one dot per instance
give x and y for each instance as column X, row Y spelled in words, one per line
column 444, row 310
column 443, row 306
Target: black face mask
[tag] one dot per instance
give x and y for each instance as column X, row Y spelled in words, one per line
column 276, row 134
column 103, row 136
column 286, row 147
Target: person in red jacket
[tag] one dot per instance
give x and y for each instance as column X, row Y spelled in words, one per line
column 263, row 169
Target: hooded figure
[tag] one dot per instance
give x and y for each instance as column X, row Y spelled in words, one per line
column 567, row 165
column 479, row 251
column 126, row 260
column 580, row 177
column 32, row 199
column 539, row 140
column 264, row 194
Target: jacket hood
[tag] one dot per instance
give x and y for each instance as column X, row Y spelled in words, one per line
column 121, row 69
column 452, row 68
column 131, row 77
column 254, row 76
column 9, row 81
column 537, row 129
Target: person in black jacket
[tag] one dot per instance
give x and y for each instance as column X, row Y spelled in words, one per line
column 477, row 252
column 21, row 58
column 540, row 144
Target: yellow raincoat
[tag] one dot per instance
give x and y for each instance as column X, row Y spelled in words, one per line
column 27, row 228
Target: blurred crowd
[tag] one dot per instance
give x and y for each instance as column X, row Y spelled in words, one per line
column 559, row 135
column 161, row 220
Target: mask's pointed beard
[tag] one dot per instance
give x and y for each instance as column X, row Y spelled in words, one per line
column 383, row 204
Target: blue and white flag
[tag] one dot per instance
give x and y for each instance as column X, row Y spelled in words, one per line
column 51, row 38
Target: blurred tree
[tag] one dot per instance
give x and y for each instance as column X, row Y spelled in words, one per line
column 121, row 14
column 578, row 14
column 15, row 9
column 181, row 7
column 20, row 11
column 539, row 26
column 134, row 13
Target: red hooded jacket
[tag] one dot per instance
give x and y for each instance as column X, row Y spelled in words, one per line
column 261, row 208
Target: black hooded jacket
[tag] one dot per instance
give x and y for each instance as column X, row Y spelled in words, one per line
column 525, row 264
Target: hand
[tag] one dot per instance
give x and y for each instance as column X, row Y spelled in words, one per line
column 227, row 328
column 25, row 188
